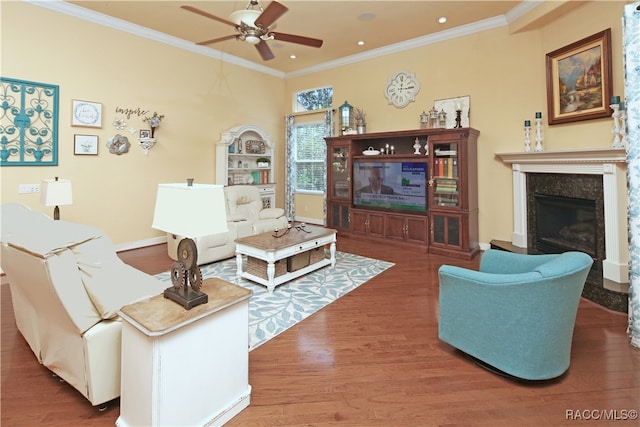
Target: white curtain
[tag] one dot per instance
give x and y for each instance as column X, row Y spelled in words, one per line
column 290, row 170
column 329, row 126
column 631, row 47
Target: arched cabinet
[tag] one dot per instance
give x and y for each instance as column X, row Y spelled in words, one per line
column 244, row 156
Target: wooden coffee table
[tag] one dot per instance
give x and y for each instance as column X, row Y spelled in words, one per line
column 272, row 260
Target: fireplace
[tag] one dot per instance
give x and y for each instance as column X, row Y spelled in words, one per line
column 575, row 200
column 565, row 224
column 565, row 212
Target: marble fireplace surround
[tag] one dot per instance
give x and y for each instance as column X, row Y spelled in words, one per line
column 610, row 163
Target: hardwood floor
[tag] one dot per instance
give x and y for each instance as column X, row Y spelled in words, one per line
column 372, row 358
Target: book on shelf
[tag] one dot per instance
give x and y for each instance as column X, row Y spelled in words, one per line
column 446, row 185
column 446, row 167
column 440, row 152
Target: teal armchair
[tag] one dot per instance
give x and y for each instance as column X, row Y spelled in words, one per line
column 516, row 315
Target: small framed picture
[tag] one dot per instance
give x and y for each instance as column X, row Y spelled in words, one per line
column 85, row 145
column 86, row 114
column 145, row 133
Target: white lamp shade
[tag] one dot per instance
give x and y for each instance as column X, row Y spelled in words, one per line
column 248, row 16
column 190, row 211
column 56, row 192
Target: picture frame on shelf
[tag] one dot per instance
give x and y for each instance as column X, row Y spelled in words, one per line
column 254, row 147
column 449, row 107
column 85, row 145
column 86, row 114
column 579, row 80
column 145, row 133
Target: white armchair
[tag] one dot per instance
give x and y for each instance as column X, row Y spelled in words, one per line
column 245, row 204
column 67, row 285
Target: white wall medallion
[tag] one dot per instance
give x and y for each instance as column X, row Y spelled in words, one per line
column 119, row 124
column 118, row 144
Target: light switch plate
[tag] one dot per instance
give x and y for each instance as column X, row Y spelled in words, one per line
column 29, row 188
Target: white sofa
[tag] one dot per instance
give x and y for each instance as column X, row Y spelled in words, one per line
column 245, row 217
column 67, row 285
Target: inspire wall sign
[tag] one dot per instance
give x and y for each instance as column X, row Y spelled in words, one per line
column 28, row 123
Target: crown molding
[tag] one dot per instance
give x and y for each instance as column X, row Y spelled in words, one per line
column 121, row 25
column 441, row 36
column 138, row 30
column 521, row 9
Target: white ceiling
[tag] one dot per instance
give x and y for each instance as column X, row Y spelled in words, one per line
column 341, row 24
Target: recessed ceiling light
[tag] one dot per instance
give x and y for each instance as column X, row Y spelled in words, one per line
column 442, row 19
column 361, row 43
column 292, row 56
column 368, row 16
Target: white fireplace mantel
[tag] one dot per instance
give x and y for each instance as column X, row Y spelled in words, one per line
column 608, row 162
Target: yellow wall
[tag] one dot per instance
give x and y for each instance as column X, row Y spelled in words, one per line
column 502, row 70
column 200, row 97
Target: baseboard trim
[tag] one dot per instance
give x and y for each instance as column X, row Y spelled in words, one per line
column 314, row 221
column 140, row 243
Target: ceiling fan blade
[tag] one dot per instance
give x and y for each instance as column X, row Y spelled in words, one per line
column 291, row 38
column 207, row 15
column 264, row 50
column 216, row 40
column 271, row 14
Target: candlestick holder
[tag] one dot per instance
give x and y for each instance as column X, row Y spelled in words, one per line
column 527, row 138
column 458, row 119
column 538, row 134
column 617, row 142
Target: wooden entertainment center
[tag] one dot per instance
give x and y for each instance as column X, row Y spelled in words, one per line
column 435, row 203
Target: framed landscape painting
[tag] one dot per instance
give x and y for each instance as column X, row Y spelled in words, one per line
column 579, row 80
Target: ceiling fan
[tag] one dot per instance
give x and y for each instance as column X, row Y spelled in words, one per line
column 254, row 26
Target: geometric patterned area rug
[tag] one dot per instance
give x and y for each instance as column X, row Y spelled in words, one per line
column 272, row 313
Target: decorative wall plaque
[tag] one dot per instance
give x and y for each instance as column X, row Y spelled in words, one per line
column 28, row 123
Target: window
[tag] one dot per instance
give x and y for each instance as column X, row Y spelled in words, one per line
column 315, row 99
column 310, row 156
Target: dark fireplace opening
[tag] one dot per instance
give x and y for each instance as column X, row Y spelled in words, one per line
column 565, row 224
column 565, row 212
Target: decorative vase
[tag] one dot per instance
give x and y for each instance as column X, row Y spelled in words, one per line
column 146, row 144
column 361, row 127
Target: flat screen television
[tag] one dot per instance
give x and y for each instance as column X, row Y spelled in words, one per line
column 398, row 185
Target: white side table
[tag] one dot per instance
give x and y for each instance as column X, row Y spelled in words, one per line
column 186, row 367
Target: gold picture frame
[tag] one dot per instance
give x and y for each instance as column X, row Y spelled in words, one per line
column 579, row 80
column 86, row 114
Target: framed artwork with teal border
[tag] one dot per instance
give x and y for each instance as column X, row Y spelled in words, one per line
column 28, row 123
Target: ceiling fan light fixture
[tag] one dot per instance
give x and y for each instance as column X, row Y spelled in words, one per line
column 255, row 26
column 252, row 39
column 246, row 16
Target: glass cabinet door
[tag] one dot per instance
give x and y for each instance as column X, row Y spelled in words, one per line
column 338, row 216
column 444, row 175
column 445, row 230
column 340, row 178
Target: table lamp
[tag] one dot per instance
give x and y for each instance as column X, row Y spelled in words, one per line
column 56, row 192
column 189, row 210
